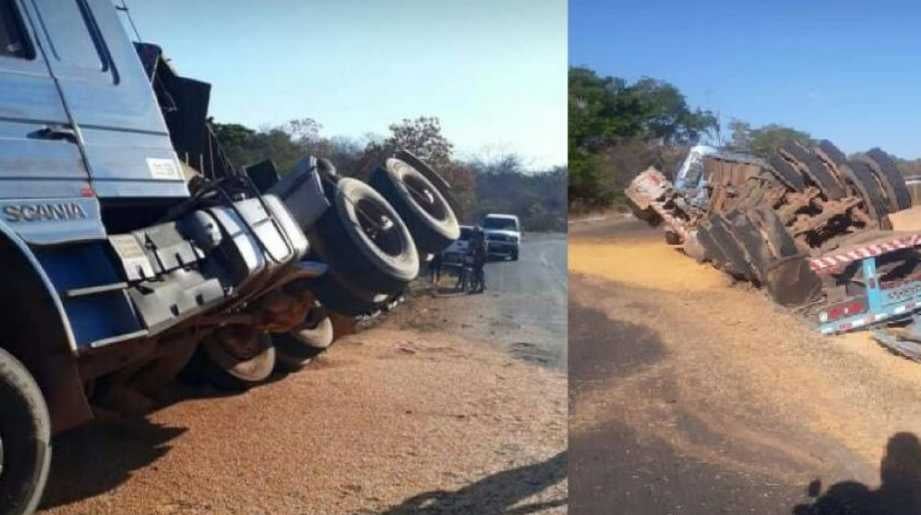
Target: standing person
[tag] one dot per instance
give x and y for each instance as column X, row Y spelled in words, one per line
column 480, row 253
column 435, row 268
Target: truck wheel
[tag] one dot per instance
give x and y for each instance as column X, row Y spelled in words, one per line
column 891, row 178
column 515, row 255
column 25, row 438
column 422, row 167
column 428, row 215
column 240, row 367
column 340, row 297
column 813, row 169
column 363, row 237
column 295, row 349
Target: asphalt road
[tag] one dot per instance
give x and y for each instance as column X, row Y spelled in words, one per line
column 692, row 395
column 531, row 295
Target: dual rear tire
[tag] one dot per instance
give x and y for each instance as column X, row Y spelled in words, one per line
column 25, row 438
column 374, row 235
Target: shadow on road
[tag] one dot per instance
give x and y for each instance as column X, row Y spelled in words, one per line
column 493, row 494
column 899, row 492
column 97, row 458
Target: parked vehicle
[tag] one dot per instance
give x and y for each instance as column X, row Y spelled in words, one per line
column 137, row 251
column 455, row 253
column 503, row 235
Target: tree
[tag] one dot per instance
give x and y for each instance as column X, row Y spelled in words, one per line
column 421, row 136
column 764, row 140
column 608, row 112
column 303, row 130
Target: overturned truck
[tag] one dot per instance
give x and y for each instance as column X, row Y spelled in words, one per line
column 834, row 238
column 135, row 251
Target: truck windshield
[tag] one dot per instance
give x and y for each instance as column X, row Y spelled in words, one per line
column 12, row 38
column 501, row 224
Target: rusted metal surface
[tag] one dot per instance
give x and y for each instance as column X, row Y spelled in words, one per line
column 654, row 198
column 769, row 221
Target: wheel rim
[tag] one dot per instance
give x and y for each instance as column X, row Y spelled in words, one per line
column 378, row 225
column 422, row 193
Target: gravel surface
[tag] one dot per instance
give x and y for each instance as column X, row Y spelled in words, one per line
column 430, row 411
column 690, row 394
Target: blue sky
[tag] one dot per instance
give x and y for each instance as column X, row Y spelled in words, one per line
column 846, row 71
column 494, row 72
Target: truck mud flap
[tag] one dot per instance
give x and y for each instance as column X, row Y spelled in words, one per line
column 719, row 230
column 814, row 169
column 791, row 282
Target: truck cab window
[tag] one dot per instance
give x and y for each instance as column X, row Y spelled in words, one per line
column 12, row 36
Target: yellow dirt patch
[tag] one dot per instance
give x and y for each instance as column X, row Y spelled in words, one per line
column 641, row 262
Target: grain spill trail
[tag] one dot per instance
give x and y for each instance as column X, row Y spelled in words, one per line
column 740, row 366
column 644, row 263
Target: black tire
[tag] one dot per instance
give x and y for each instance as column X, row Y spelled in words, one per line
column 815, row 170
column 773, row 232
column 295, row 349
column 738, row 264
column 422, row 167
column 429, row 216
column 672, row 238
column 514, row 255
column 869, row 183
column 712, row 251
column 891, row 178
column 833, row 153
column 873, row 203
column 749, row 239
column 228, row 372
column 25, row 430
column 363, row 237
column 341, row 297
column 786, row 173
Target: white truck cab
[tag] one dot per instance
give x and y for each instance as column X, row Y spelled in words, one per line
column 503, row 235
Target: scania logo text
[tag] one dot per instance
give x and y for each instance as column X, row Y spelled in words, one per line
column 44, row 212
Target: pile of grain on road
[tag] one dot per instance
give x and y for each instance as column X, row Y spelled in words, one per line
column 738, row 368
column 646, row 262
column 386, row 416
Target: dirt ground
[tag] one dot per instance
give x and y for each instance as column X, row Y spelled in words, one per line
column 690, row 394
column 427, row 412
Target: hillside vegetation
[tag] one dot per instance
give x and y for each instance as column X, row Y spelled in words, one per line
column 500, row 184
column 617, row 129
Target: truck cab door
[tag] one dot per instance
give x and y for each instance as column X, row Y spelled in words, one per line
column 109, row 97
column 39, row 155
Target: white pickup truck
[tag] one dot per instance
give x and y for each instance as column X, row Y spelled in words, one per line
column 503, row 235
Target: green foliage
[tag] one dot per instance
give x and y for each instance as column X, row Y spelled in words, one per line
column 504, row 186
column 500, row 186
column 607, row 112
column 766, row 139
column 603, row 110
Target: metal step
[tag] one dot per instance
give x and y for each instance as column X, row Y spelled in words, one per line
column 94, row 290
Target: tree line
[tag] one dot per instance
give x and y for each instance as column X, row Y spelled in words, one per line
column 618, row 129
column 502, row 184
